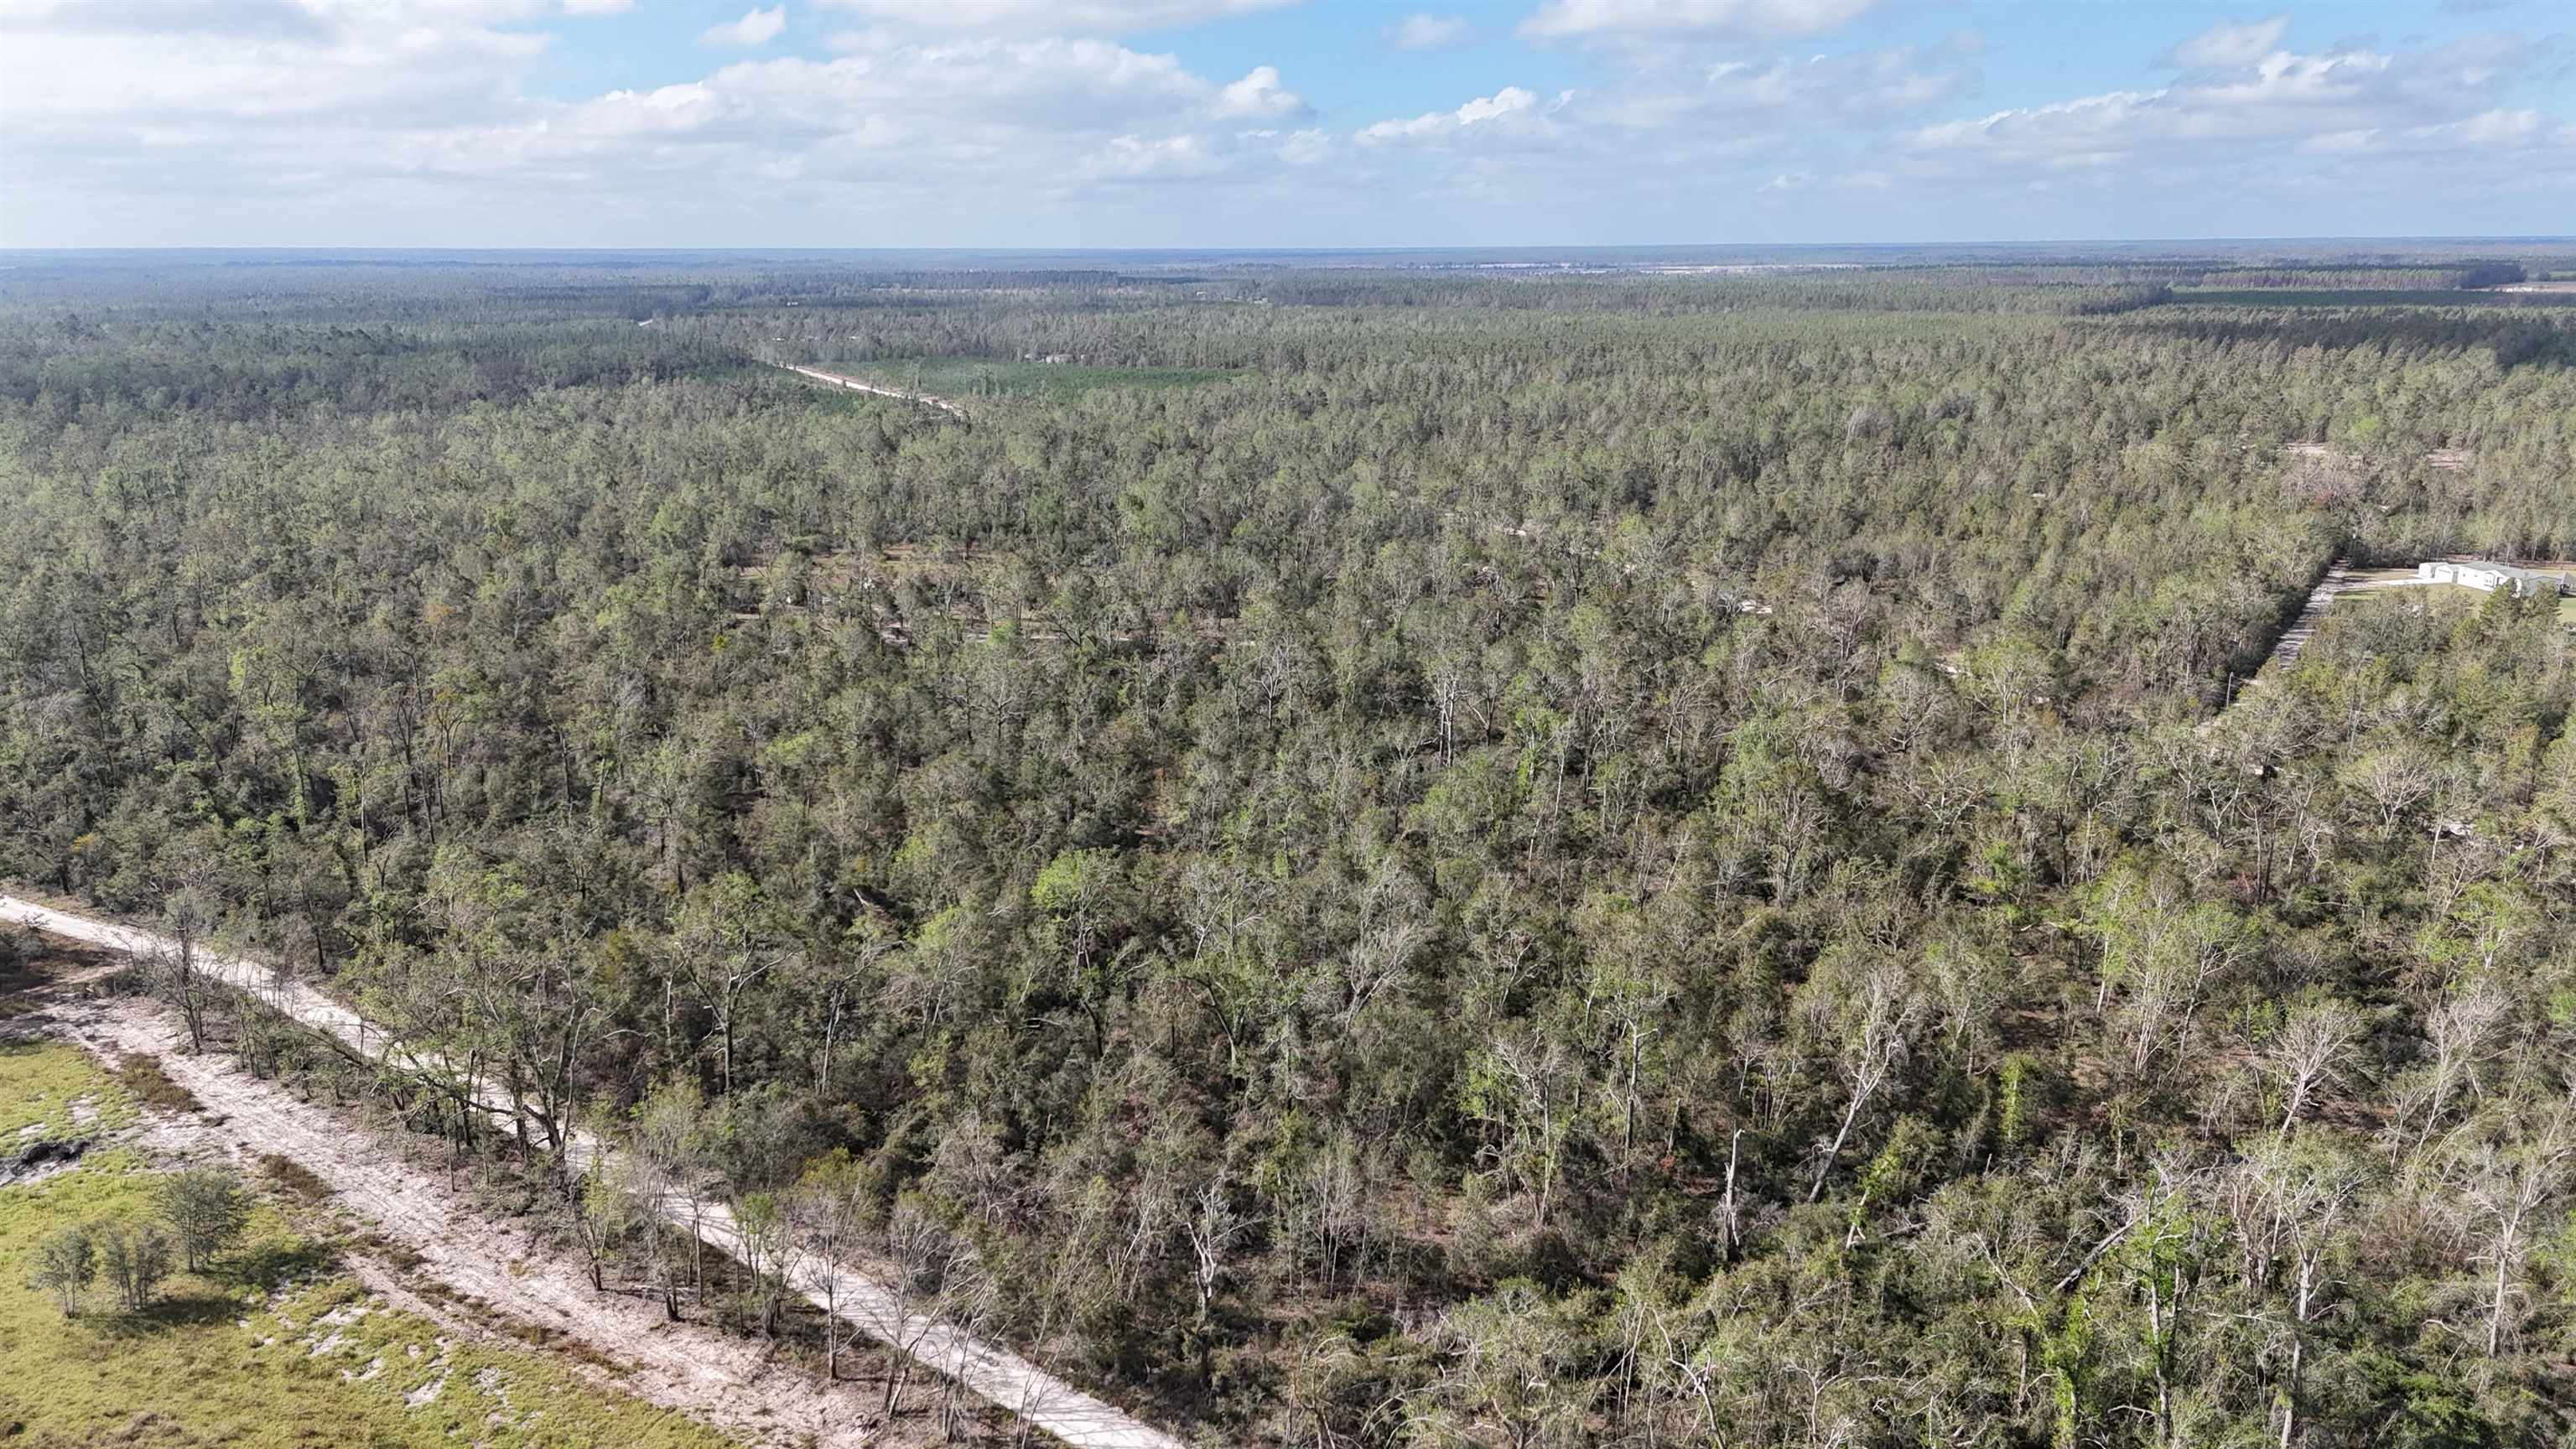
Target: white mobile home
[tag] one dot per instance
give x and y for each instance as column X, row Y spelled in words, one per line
column 2488, row 576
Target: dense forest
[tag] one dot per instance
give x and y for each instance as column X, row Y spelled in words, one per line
column 1426, row 857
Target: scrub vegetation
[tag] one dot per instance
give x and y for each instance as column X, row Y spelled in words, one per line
column 1538, row 860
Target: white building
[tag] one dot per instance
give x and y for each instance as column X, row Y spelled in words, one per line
column 2488, row 576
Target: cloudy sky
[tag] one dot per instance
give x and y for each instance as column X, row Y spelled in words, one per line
column 1275, row 122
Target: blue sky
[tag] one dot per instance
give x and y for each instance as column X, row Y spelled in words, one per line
column 1275, row 122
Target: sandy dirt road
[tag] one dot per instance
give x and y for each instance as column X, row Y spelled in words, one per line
column 711, row 1376
column 858, row 384
column 993, row 1373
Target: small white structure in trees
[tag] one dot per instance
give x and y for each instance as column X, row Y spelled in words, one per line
column 2488, row 576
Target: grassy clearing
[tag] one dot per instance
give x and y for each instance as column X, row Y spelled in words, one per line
column 2444, row 599
column 966, row 378
column 50, row 1091
column 2441, row 598
column 273, row 1348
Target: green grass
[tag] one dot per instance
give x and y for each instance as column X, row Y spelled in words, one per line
column 2441, row 598
column 2447, row 599
column 40, row 1083
column 967, row 378
column 273, row 1348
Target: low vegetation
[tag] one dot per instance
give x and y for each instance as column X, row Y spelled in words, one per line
column 50, row 1091
column 141, row 1305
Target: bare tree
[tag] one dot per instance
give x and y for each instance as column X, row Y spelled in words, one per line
column 603, row 1213
column 2311, row 1053
column 661, row 1173
column 1874, row 1046
column 2395, row 780
column 2505, row 1186
column 2284, row 1202
column 937, row 1284
column 2170, row 967
column 2312, row 1234
column 827, row 1213
column 2162, row 1248
column 1213, row 1228
column 2460, row 1031
column 1527, row 1087
column 177, row 971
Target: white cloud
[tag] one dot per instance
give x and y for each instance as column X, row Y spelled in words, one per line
column 1510, row 110
column 597, row 7
column 2257, row 110
column 220, row 121
column 1856, row 87
column 418, row 109
column 1424, row 31
column 1608, row 19
column 395, row 64
column 1305, row 148
column 1165, row 158
column 1672, row 127
column 755, row 29
column 240, row 18
column 2231, row 44
column 1259, row 96
column 678, row 110
column 2488, row 132
column 1053, row 17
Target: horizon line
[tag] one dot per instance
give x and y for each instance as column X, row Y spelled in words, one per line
column 1247, row 249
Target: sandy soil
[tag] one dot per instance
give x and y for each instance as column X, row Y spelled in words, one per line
column 707, row 1374
column 857, row 384
column 381, row 1186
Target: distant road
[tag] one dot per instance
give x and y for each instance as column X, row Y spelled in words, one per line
column 860, row 384
column 1008, row 1381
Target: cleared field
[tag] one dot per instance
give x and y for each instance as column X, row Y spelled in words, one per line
column 2442, row 594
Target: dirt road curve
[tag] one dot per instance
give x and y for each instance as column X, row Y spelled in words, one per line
column 993, row 1373
column 856, row 384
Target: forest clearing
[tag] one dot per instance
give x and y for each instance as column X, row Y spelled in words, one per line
column 858, row 384
column 476, row 1257
column 365, row 1298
